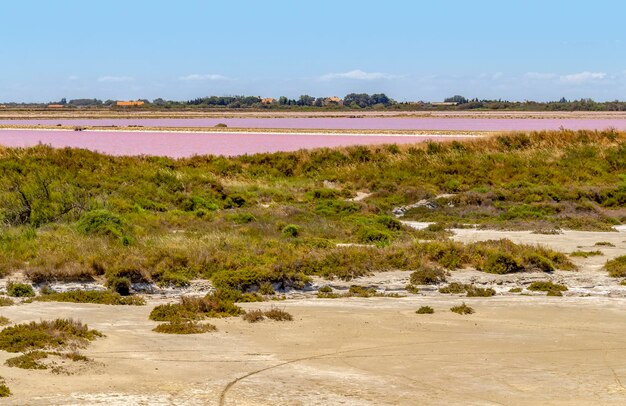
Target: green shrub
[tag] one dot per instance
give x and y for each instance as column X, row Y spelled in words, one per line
column 120, row 285
column 454, row 288
column 425, row 310
column 5, row 392
column 91, row 296
column 56, row 334
column 266, row 288
column 241, row 218
column 540, row 263
column 101, row 222
column 473, row 291
column 515, row 290
column 604, row 244
column 28, row 361
column 554, row 293
column 277, row 314
column 369, row 235
column 428, row 275
column 325, row 289
column 184, row 327
column 216, row 304
column 291, row 230
column 546, row 286
column 462, row 309
column 389, row 222
column 16, row 289
column 361, row 291
column 502, row 263
column 616, row 267
column 412, row 289
column 4, row 321
column 586, row 254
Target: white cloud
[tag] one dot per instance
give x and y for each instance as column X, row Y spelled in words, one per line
column 73, row 77
column 497, row 75
column 358, row 75
column 114, row 79
column 582, row 77
column 539, row 75
column 196, row 76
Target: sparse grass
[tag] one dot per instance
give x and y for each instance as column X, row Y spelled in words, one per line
column 91, row 296
column 585, row 254
column 57, row 335
column 604, row 244
column 16, row 289
column 253, row 316
column 515, row 290
column 462, row 309
column 184, row 327
column 425, row 310
column 361, row 291
column 4, row 321
column 546, row 286
column 554, row 293
column 325, row 289
column 6, row 301
column 616, row 267
column 31, row 360
column 5, row 392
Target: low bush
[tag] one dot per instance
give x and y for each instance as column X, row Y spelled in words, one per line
column 214, row 304
column 91, row 296
column 361, row 291
column 425, row 310
column 604, row 244
column 266, row 288
column 6, row 301
column 462, row 309
column 4, row 321
column 277, row 314
column 616, row 267
column 56, row 334
column 241, row 218
column 16, row 289
column 585, row 254
column 253, row 316
column 325, row 289
column 5, row 392
column 120, row 285
column 502, row 263
column 546, row 286
column 428, row 275
column 31, row 360
column 454, row 288
column 515, row 290
column 184, row 327
column 291, row 230
column 412, row 289
column 473, row 291
column 554, row 293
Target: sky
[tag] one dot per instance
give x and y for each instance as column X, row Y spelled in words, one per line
column 411, row 50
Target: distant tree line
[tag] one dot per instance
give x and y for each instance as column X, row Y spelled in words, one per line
column 352, row 101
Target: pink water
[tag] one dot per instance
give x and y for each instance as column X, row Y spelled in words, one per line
column 369, row 123
column 178, row 145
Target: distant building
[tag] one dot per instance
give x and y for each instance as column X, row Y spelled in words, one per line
column 268, row 100
column 129, row 103
column 55, row 106
column 444, row 103
column 3, row 106
column 333, row 100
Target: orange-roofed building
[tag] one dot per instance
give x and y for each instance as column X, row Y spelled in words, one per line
column 268, row 100
column 55, row 106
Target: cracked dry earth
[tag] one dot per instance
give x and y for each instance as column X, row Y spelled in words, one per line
column 515, row 350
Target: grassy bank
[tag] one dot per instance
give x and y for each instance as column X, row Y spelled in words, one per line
column 277, row 218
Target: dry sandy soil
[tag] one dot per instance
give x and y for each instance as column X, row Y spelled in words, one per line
column 515, row 350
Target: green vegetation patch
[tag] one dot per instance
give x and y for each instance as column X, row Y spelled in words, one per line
column 585, row 254
column 425, row 310
column 616, row 267
column 56, row 335
column 4, row 389
column 546, row 286
column 105, row 297
column 195, row 308
column 184, row 327
column 462, row 309
column 16, row 289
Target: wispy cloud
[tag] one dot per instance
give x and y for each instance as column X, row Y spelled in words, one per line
column 358, row 75
column 582, row 77
column 540, row 75
column 115, row 79
column 73, row 77
column 196, row 76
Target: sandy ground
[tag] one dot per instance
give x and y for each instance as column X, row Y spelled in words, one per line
column 515, row 350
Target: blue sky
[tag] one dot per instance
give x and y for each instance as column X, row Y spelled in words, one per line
column 411, row 50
